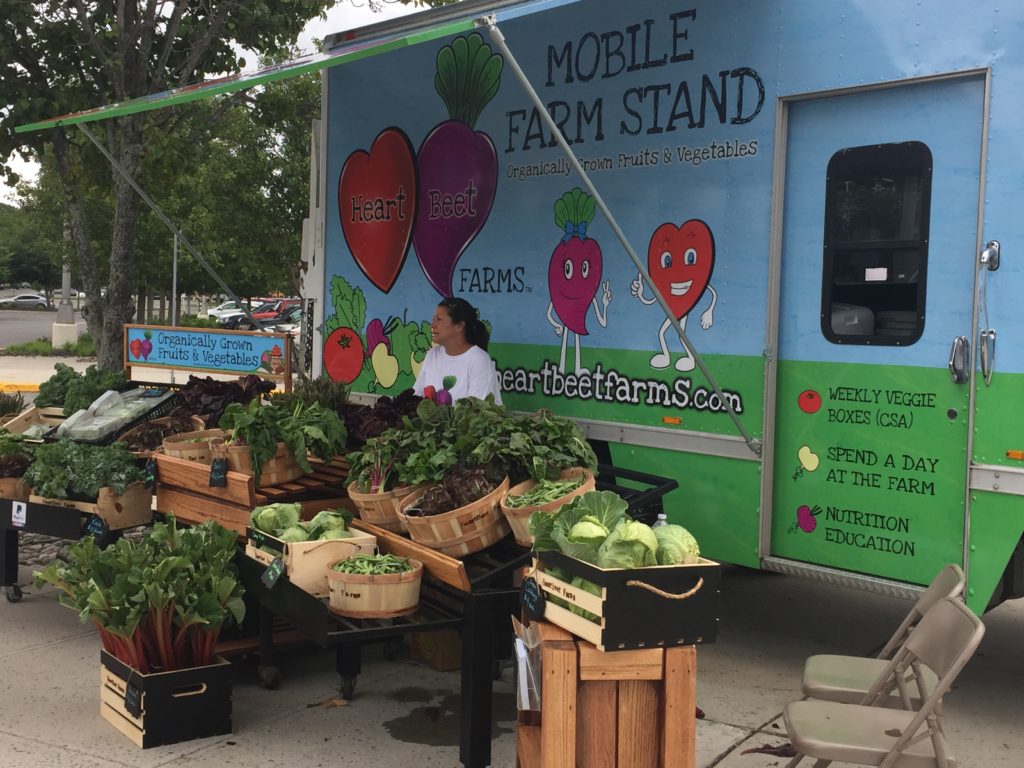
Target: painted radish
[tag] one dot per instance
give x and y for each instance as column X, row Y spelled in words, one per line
column 135, row 347
column 574, row 272
column 458, row 166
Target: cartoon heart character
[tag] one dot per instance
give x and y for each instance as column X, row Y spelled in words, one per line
column 574, row 272
column 680, row 261
column 377, row 197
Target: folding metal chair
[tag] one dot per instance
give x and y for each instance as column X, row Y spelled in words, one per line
column 869, row 734
column 832, row 677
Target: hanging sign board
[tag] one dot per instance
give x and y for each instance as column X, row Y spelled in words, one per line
column 265, row 354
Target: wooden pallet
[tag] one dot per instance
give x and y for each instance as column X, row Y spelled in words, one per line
column 183, row 489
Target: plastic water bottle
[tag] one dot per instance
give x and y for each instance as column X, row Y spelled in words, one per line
column 662, row 520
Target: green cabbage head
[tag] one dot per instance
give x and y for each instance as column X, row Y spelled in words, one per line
column 294, row 534
column 631, row 545
column 335, row 533
column 676, row 545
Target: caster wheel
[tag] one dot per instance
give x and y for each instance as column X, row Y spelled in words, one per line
column 348, row 688
column 270, row 678
column 14, row 594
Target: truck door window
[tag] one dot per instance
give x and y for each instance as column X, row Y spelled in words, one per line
column 877, row 201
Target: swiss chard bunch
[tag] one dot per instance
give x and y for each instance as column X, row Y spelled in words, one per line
column 67, row 469
column 159, row 603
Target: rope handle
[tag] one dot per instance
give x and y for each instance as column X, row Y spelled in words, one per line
column 668, row 595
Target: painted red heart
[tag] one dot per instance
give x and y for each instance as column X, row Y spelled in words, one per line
column 680, row 261
column 377, row 205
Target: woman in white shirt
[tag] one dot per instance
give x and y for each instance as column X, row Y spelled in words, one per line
column 458, row 363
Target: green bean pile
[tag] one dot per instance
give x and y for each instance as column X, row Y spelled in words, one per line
column 374, row 565
column 543, row 492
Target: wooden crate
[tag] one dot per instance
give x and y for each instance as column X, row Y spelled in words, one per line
column 183, row 489
column 131, row 508
column 13, row 488
column 306, row 562
column 661, row 605
column 175, row 706
column 630, row 709
column 31, row 416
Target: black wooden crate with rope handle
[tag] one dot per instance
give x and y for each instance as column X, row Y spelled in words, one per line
column 658, row 606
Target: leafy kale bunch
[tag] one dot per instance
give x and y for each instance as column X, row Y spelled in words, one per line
column 15, row 454
column 75, row 391
column 159, row 603
column 66, row 469
column 307, row 429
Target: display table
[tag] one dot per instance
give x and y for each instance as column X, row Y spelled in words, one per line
column 620, row 709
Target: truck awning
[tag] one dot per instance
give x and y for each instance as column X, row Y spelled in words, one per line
column 410, row 30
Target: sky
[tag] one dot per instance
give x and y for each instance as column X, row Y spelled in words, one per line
column 346, row 14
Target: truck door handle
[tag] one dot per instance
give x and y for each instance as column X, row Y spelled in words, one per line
column 958, row 359
column 987, row 353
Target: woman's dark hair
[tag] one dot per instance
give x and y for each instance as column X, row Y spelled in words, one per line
column 461, row 311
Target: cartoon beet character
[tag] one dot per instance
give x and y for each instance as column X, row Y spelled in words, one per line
column 458, row 166
column 806, row 519
column 680, row 261
column 574, row 272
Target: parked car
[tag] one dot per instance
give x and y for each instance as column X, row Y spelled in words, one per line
column 289, row 315
column 232, row 317
column 222, row 309
column 27, row 301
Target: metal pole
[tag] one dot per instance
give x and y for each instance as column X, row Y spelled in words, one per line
column 499, row 39
column 167, row 222
column 174, row 283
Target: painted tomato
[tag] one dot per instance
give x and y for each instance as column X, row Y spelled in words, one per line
column 680, row 261
column 343, row 355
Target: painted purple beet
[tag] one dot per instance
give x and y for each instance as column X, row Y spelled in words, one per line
column 455, row 197
column 457, row 166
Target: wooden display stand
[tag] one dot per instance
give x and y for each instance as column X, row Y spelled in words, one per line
column 183, row 488
column 627, row 709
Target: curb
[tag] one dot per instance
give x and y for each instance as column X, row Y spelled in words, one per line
column 18, row 387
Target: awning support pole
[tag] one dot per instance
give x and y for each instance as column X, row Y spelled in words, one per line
column 167, row 222
column 499, row 39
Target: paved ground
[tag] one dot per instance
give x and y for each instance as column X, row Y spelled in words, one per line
column 18, row 326
column 405, row 713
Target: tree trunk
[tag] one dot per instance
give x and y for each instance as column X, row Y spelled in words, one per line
column 125, row 134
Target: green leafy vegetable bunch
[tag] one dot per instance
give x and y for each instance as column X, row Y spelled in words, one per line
column 159, row 603
column 66, row 469
column 282, row 521
column 75, row 391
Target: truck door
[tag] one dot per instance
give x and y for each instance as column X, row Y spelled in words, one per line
column 879, row 237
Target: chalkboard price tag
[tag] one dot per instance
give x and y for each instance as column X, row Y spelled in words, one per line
column 532, row 598
column 150, row 472
column 133, row 699
column 273, row 573
column 219, row 473
column 96, row 527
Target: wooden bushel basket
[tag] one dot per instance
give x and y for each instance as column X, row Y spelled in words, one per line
column 279, row 468
column 461, row 531
column 375, row 596
column 519, row 517
column 381, row 509
column 189, row 447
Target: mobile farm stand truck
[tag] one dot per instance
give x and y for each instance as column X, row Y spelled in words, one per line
column 809, row 193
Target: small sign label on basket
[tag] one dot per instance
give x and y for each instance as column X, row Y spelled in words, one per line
column 19, row 514
column 219, row 473
column 151, row 471
column 532, row 598
column 133, row 699
column 96, row 527
column 273, row 573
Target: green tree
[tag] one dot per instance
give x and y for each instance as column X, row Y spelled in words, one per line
column 61, row 56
